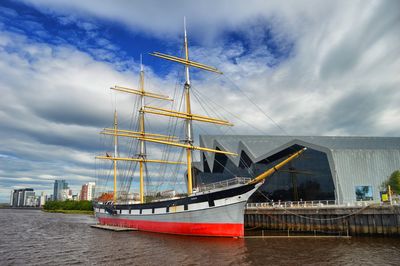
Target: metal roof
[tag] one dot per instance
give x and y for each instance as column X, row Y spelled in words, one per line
column 259, row 147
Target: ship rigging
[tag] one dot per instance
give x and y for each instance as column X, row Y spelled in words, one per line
column 211, row 212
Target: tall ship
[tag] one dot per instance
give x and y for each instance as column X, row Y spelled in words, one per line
column 215, row 209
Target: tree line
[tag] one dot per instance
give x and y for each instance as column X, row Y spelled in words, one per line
column 84, row 205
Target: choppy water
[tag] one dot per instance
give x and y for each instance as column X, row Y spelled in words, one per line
column 32, row 237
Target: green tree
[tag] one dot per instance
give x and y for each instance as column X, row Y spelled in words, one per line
column 394, row 182
column 84, row 205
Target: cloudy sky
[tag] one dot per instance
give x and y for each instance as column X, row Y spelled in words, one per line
column 290, row 67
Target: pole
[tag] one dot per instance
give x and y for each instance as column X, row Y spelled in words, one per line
column 142, row 154
column 141, row 182
column 390, row 194
column 115, row 155
column 189, row 133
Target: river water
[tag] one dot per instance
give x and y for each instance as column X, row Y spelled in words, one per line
column 33, row 237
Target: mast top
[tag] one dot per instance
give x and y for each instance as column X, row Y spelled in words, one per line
column 141, row 63
column 184, row 27
column 185, row 61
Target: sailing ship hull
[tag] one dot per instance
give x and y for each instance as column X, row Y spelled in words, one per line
column 219, row 213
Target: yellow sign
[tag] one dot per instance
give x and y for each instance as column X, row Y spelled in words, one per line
column 385, row 197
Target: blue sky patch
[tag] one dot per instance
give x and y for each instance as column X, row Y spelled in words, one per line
column 258, row 38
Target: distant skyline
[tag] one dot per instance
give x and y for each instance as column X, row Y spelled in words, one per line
column 50, row 192
column 314, row 67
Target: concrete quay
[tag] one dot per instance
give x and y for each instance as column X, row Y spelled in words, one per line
column 341, row 220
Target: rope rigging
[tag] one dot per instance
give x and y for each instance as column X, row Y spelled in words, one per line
column 162, row 178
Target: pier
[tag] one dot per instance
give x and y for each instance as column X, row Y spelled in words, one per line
column 324, row 219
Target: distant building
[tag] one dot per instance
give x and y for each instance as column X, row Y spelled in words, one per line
column 126, row 196
column 42, row 199
column 65, row 194
column 87, row 191
column 168, row 193
column 23, row 198
column 59, row 190
column 11, row 197
column 30, row 199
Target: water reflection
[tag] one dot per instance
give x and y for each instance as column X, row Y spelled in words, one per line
column 38, row 238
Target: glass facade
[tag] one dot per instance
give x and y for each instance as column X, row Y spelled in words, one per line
column 305, row 178
column 59, row 187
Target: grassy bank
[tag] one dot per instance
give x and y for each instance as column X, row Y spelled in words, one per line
column 69, row 207
column 70, row 211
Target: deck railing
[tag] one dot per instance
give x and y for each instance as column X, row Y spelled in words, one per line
column 224, row 183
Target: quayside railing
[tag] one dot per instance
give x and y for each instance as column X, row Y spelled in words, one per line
column 310, row 204
column 291, row 204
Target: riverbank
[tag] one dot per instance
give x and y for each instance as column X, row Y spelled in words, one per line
column 69, row 207
column 70, row 211
column 19, row 208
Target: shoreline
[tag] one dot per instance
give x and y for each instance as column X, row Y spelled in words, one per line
column 20, row 208
column 70, row 211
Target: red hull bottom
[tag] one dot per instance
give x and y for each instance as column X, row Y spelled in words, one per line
column 195, row 229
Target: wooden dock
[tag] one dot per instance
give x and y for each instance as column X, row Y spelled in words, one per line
column 113, row 228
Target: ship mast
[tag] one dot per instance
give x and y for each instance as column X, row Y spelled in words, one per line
column 189, row 139
column 142, row 136
column 115, row 155
column 142, row 154
column 187, row 114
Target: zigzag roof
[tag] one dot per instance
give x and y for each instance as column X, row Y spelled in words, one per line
column 259, row 147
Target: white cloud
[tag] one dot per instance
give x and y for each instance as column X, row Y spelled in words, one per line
column 340, row 75
column 55, row 101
